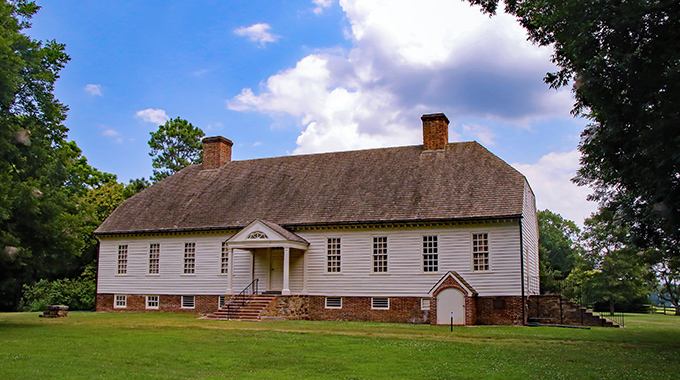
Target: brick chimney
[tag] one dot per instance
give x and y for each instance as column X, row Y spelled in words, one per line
column 216, row 151
column 435, row 131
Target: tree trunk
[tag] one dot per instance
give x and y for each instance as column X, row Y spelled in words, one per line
column 611, row 307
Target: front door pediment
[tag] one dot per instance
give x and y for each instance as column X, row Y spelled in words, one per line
column 261, row 234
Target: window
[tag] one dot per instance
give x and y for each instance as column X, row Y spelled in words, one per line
column 120, row 301
column 189, row 258
column 222, row 300
column 380, row 303
column 188, row 302
column 122, row 259
column 154, row 258
column 424, row 304
column 333, row 254
column 430, row 254
column 152, row 302
column 224, row 268
column 257, row 235
column 480, row 252
column 379, row 254
column 333, row 302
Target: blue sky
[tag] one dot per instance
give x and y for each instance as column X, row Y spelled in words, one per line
column 294, row 77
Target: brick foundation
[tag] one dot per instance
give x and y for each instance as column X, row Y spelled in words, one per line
column 499, row 311
column 402, row 310
column 167, row 303
column 287, row 307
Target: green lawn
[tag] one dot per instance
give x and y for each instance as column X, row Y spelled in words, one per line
column 162, row 346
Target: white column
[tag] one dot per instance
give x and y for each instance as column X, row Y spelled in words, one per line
column 286, row 272
column 230, row 272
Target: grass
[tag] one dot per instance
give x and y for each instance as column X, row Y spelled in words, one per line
column 178, row 346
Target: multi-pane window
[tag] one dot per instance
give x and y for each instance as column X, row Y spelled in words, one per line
column 120, row 301
column 189, row 258
column 154, row 257
column 224, row 268
column 430, row 254
column 379, row 254
column 122, row 259
column 333, row 255
column 188, row 302
column 425, row 304
column 333, row 302
column 480, row 252
column 152, row 302
column 380, row 303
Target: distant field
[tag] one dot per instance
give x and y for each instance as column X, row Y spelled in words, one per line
column 173, row 346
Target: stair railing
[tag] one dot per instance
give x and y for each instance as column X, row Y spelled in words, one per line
column 240, row 300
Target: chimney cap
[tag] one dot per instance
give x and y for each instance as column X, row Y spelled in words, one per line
column 217, row 139
column 435, row 116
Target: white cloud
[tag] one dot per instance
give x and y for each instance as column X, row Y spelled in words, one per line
column 550, row 178
column 482, row 133
column 94, row 89
column 320, row 5
column 410, row 58
column 257, row 33
column 110, row 133
column 257, row 143
column 153, row 115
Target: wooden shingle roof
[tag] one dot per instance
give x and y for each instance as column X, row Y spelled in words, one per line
column 403, row 184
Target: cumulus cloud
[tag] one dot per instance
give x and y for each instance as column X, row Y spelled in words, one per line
column 94, row 89
column 550, row 178
column 321, row 5
column 258, row 33
column 410, row 58
column 153, row 115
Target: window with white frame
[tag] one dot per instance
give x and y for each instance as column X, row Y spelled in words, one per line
column 154, row 258
column 152, row 302
column 333, row 255
column 480, row 252
column 379, row 254
column 224, row 266
column 333, row 302
column 188, row 302
column 380, row 303
column 189, row 258
column 120, row 301
column 424, row 304
column 430, row 253
column 221, row 301
column 122, row 258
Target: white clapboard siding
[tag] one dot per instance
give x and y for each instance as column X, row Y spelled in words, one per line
column 404, row 277
column 206, row 281
column 530, row 241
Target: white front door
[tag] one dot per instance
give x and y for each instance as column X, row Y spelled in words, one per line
column 449, row 301
column 276, row 269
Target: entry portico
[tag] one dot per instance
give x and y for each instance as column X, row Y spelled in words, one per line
column 267, row 239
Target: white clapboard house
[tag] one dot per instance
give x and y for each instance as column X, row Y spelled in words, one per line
column 418, row 234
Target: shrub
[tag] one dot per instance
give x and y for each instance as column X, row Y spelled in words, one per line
column 77, row 294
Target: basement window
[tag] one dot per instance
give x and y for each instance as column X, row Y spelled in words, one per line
column 333, row 302
column 120, row 301
column 152, row 302
column 188, row 302
column 221, row 301
column 424, row 304
column 380, row 303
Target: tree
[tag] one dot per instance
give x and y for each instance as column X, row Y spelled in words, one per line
column 622, row 58
column 41, row 174
column 558, row 244
column 176, row 145
column 618, row 270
